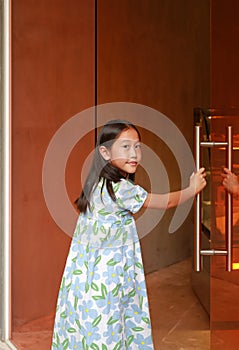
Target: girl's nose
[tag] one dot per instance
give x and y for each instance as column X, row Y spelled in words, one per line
column 133, row 152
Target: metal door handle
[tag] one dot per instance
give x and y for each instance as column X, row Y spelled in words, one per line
column 198, row 252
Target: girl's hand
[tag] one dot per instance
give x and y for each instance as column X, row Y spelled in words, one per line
column 230, row 181
column 172, row 199
column 197, row 181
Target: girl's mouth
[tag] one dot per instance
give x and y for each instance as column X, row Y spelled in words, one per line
column 133, row 163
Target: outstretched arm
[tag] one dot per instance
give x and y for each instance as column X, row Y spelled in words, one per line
column 230, row 181
column 172, row 199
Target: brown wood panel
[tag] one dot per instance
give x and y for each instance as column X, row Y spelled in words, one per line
column 52, row 80
column 156, row 53
column 224, row 54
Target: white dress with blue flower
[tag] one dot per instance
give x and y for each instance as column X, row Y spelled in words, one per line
column 102, row 302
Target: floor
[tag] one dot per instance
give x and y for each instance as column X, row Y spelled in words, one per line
column 179, row 322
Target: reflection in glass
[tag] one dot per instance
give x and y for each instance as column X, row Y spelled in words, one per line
column 215, row 286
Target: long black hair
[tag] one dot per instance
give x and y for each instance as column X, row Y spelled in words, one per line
column 101, row 168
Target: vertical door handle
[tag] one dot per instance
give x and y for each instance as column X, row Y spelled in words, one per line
column 229, row 203
column 197, row 237
column 198, row 252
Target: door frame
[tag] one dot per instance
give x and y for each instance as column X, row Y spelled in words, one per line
column 5, row 233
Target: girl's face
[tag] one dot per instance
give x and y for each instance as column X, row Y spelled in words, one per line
column 125, row 153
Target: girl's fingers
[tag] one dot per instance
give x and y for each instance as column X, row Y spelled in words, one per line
column 201, row 170
column 227, row 171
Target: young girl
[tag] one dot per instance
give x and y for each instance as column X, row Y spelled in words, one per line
column 102, row 303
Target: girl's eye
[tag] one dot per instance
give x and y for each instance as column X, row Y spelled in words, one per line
column 138, row 145
column 126, row 146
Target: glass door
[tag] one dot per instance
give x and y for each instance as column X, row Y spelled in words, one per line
column 217, row 136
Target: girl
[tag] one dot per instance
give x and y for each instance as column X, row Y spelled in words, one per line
column 102, row 303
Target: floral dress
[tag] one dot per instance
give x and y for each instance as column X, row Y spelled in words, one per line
column 102, row 302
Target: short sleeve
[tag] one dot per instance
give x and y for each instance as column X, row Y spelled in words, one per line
column 129, row 196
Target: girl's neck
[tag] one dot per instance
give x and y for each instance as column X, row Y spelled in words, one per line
column 124, row 174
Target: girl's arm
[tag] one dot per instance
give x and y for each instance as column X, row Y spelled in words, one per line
column 230, row 181
column 172, row 199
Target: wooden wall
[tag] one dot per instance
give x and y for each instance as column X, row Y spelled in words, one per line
column 157, row 53
column 52, row 80
column 154, row 53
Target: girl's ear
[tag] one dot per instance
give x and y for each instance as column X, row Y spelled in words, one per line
column 104, row 152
